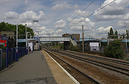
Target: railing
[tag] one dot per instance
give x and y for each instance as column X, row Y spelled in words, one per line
column 9, row 56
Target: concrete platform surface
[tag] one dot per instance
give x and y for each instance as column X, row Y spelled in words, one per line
column 30, row 69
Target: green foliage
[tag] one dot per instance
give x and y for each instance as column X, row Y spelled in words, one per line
column 127, row 33
column 112, row 35
column 74, row 48
column 114, row 50
column 111, row 31
column 21, row 29
column 7, row 27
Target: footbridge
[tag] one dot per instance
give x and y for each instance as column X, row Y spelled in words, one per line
column 66, row 40
column 58, row 39
column 54, row 39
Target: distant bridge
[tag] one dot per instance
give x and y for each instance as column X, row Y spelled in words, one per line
column 54, row 39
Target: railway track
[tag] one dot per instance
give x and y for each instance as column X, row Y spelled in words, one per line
column 82, row 77
column 118, row 61
column 120, row 68
column 105, row 62
column 103, row 65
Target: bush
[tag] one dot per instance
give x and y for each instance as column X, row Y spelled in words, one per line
column 74, row 48
column 114, row 50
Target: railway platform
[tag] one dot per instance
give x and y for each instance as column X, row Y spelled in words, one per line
column 35, row 68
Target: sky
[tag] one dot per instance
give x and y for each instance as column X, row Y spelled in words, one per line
column 56, row 17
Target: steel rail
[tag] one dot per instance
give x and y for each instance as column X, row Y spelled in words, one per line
column 110, row 67
column 118, row 61
column 87, row 76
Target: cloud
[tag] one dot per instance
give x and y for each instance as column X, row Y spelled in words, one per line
column 60, row 24
column 42, row 28
column 113, row 11
column 57, row 16
column 104, row 29
column 47, row 32
column 82, row 13
column 59, row 31
column 9, row 5
column 11, row 15
column 100, row 32
column 26, row 1
column 123, row 23
column 75, row 24
column 126, row 16
column 34, row 5
column 61, row 6
column 31, row 15
column 27, row 17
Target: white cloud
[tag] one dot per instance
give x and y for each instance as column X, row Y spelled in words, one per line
column 75, row 24
column 123, row 23
column 60, row 24
column 82, row 13
column 46, row 32
column 59, row 31
column 113, row 11
column 11, row 15
column 26, row 17
column 126, row 16
column 31, row 15
column 101, row 32
column 9, row 5
column 42, row 28
column 61, row 6
column 59, row 15
column 104, row 29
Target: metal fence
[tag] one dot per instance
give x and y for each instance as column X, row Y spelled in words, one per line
column 9, row 55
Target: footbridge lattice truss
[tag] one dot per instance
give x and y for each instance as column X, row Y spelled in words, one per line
column 53, row 39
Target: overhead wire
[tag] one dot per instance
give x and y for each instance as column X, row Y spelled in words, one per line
column 101, row 8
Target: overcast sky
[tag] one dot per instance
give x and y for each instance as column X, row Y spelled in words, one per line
column 66, row 16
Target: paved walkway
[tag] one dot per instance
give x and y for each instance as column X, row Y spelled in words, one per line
column 30, row 69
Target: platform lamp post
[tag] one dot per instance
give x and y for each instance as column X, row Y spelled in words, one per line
column 36, row 21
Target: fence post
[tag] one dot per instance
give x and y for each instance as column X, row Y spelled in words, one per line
column 16, row 57
column 6, row 57
column 11, row 55
column 0, row 59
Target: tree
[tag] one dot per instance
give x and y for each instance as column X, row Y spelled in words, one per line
column 114, row 50
column 21, row 29
column 112, row 35
column 116, row 35
column 111, row 31
column 127, row 33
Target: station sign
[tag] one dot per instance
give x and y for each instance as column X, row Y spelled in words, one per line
column 94, row 44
